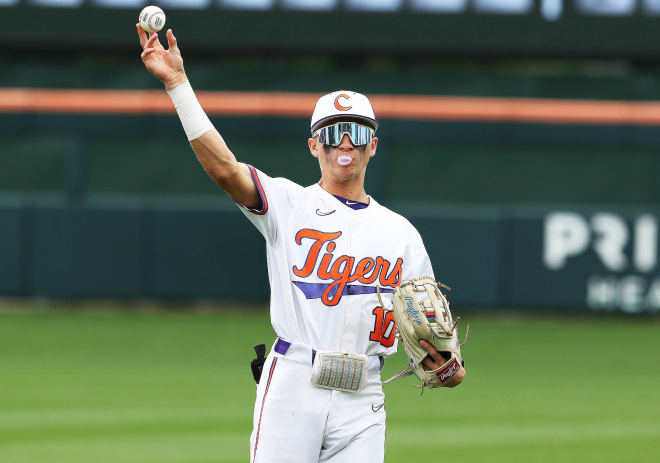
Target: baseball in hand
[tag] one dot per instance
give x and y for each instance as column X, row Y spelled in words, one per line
column 152, row 19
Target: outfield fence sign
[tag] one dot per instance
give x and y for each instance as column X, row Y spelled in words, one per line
column 602, row 259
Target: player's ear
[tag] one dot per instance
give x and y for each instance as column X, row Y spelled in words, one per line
column 372, row 147
column 313, row 146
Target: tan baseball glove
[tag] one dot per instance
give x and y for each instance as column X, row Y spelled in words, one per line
column 421, row 311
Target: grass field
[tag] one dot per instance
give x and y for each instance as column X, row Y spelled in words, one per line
column 174, row 386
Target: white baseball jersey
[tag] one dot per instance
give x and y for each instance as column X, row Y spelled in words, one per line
column 325, row 260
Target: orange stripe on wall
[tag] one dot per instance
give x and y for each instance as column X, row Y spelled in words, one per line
column 420, row 107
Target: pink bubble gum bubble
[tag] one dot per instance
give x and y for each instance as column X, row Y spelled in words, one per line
column 344, row 160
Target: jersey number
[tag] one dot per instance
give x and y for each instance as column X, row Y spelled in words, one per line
column 384, row 327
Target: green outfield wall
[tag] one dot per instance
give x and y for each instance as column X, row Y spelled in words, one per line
column 561, row 257
column 515, row 215
column 446, row 161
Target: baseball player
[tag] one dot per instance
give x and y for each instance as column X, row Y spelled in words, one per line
column 330, row 246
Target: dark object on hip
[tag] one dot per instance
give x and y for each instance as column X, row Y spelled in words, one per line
column 257, row 364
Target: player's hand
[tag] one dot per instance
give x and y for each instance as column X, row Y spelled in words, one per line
column 165, row 65
column 435, row 360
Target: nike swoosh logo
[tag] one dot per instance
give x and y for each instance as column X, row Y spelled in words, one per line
column 319, row 212
column 351, row 203
column 377, row 407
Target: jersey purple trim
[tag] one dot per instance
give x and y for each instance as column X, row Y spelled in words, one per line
column 352, row 204
column 260, row 190
column 316, row 290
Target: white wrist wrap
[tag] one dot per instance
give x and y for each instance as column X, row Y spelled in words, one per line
column 193, row 118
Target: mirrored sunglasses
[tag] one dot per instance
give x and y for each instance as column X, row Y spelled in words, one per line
column 332, row 134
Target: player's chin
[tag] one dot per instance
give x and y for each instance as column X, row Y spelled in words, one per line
column 348, row 171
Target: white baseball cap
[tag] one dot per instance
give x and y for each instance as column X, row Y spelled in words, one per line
column 343, row 104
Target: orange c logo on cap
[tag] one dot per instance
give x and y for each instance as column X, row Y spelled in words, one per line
column 339, row 106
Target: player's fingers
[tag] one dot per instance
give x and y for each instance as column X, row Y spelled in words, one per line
column 141, row 35
column 426, row 345
column 429, row 364
column 435, row 355
column 171, row 42
column 157, row 43
column 153, row 41
column 146, row 52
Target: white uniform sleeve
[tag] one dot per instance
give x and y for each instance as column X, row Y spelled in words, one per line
column 277, row 197
column 419, row 263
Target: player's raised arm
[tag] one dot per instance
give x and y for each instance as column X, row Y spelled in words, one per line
column 211, row 150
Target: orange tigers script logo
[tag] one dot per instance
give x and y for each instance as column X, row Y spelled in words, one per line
column 343, row 269
column 339, row 106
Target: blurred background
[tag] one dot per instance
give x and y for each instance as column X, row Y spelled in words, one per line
column 521, row 137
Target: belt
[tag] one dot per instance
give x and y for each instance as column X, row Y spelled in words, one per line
column 282, row 347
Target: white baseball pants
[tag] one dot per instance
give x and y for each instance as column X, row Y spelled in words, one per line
column 297, row 422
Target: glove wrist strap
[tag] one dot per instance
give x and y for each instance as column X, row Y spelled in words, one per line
column 446, row 372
